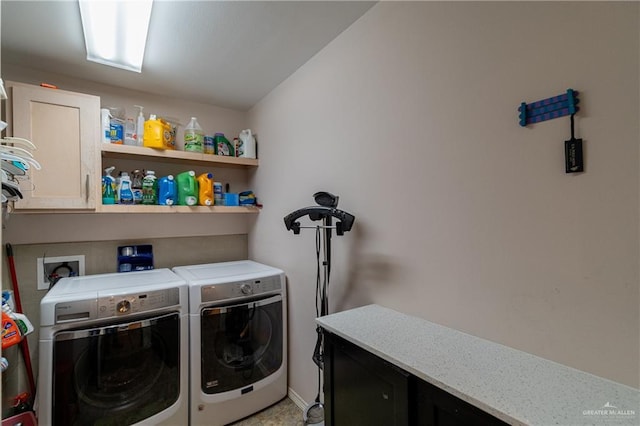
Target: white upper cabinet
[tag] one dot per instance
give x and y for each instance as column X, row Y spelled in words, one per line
column 65, row 127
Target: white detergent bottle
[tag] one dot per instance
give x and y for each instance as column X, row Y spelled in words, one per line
column 105, row 121
column 248, row 144
column 139, row 136
column 125, row 194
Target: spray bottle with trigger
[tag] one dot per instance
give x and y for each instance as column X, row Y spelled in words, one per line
column 139, row 135
column 108, row 186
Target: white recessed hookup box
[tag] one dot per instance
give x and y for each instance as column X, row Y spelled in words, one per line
column 50, row 268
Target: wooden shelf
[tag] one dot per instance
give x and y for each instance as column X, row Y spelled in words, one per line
column 128, row 152
column 123, row 208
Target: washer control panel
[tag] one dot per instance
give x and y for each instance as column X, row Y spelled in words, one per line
column 211, row 293
column 116, row 305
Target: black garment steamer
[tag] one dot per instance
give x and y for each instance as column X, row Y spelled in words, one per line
column 326, row 210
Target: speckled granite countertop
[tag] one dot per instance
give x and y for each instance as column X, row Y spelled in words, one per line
column 517, row 387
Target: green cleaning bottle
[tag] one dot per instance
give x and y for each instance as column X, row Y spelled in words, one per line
column 150, row 188
column 108, row 186
column 223, row 146
column 187, row 188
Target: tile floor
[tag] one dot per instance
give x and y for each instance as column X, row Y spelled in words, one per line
column 284, row 413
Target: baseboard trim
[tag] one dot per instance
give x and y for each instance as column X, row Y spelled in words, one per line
column 297, row 399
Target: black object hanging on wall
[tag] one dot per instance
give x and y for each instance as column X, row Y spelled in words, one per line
column 555, row 107
column 573, row 158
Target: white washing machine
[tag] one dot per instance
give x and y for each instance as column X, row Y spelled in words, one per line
column 114, row 350
column 238, row 326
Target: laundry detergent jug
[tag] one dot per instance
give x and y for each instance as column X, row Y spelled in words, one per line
column 205, row 189
column 187, row 188
column 167, row 191
column 246, row 145
column 193, row 136
column 157, row 133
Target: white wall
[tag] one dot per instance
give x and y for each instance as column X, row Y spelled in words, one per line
column 462, row 216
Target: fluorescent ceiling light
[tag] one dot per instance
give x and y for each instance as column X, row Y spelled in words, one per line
column 115, row 31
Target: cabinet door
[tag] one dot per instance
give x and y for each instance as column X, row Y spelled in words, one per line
column 436, row 407
column 361, row 388
column 64, row 126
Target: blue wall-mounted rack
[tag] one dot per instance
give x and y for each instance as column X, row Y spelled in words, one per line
column 546, row 109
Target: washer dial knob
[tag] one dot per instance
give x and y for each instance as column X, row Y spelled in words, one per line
column 123, row 306
column 246, row 289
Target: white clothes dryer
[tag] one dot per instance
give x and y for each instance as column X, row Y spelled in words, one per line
column 114, row 350
column 238, row 326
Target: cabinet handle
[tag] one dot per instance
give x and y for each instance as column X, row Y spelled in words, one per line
column 87, row 186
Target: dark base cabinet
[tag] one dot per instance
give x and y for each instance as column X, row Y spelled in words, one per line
column 435, row 407
column 361, row 388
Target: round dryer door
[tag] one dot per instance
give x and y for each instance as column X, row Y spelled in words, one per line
column 241, row 344
column 122, row 373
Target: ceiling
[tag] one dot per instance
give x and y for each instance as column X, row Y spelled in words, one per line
column 225, row 53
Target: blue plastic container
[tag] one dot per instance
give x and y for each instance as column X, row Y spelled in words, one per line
column 231, row 199
column 167, row 191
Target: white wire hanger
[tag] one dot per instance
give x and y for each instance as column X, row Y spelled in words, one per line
column 19, row 141
column 26, row 161
column 15, row 159
column 15, row 153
